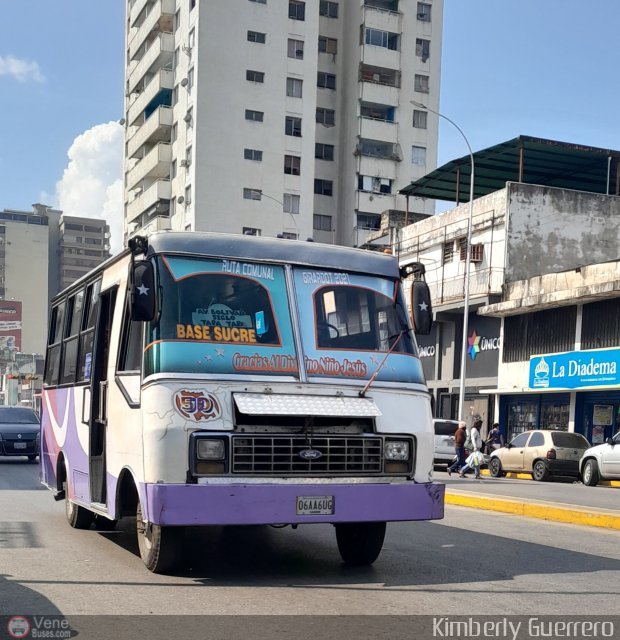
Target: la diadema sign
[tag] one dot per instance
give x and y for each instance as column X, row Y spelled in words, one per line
column 576, row 369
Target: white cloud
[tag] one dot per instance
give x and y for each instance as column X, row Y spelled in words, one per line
column 21, row 70
column 92, row 184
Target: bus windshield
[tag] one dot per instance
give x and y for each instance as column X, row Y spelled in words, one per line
column 221, row 316
column 358, row 319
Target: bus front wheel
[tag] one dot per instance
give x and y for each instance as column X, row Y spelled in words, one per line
column 360, row 543
column 159, row 546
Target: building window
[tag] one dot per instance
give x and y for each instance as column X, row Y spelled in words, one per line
column 254, row 76
column 385, row 39
column 368, row 221
column 448, row 252
column 419, row 119
column 377, row 111
column 424, row 12
column 326, row 80
column 287, row 235
column 175, row 95
column 328, row 45
column 259, row 1
column 257, row 36
column 292, row 126
column 191, row 38
column 256, row 116
column 190, row 79
column 296, row 10
column 324, row 151
column 326, row 117
column 292, row 165
column 192, row 4
column 418, row 155
column 251, row 231
column 421, row 83
column 252, row 194
column 423, row 49
column 291, row 203
column 328, row 9
column 321, row 222
column 294, row 87
column 188, row 194
column 295, row 49
column 323, row 187
column 175, row 131
column 374, row 184
column 253, row 154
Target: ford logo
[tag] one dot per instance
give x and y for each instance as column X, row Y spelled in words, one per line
column 310, row 454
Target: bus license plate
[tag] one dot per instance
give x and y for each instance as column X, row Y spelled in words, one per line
column 315, row 505
column 20, row 445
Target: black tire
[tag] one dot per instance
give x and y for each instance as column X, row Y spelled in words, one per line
column 159, row 546
column 540, row 472
column 32, row 458
column 78, row 517
column 360, row 543
column 591, row 474
column 495, row 468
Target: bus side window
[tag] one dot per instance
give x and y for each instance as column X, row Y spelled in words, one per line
column 130, row 354
column 70, row 342
column 87, row 333
column 54, row 342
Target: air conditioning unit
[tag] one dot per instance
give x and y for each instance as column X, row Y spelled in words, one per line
column 180, row 199
column 187, row 117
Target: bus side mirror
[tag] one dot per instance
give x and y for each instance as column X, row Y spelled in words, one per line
column 421, row 307
column 143, row 299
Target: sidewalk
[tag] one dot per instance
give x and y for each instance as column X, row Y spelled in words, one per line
column 571, row 503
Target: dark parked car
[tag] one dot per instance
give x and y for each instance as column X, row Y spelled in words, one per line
column 20, row 430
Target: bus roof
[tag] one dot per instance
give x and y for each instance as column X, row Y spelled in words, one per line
column 238, row 247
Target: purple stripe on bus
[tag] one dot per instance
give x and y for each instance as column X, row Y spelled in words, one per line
column 239, row 504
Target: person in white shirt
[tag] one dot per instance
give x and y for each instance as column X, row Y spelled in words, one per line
column 476, row 442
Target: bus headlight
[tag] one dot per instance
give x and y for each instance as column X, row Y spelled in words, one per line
column 210, row 449
column 396, row 450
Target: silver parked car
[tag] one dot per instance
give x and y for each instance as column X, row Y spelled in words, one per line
column 20, row 430
column 444, row 440
column 601, row 462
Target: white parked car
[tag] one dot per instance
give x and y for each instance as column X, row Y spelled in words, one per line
column 444, row 440
column 601, row 462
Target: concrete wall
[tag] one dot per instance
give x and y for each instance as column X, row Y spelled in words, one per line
column 552, row 230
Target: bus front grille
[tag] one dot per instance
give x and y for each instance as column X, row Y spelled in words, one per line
column 280, row 455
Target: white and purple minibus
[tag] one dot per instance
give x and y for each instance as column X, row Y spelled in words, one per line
column 204, row 379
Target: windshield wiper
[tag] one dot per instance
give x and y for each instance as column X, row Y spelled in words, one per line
column 398, row 336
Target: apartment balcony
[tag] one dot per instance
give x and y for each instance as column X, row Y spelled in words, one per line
column 482, row 282
column 156, row 128
column 378, row 16
column 380, row 56
column 376, row 129
column 137, row 12
column 159, row 19
column 370, row 166
column 157, row 91
column 158, row 223
column 159, row 191
column 155, row 164
column 374, row 202
column 158, row 55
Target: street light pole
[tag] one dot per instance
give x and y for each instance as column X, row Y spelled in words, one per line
column 461, row 415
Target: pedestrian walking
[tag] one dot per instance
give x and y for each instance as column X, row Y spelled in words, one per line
column 475, row 458
column 460, row 435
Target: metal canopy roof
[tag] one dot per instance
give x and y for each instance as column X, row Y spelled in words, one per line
column 523, row 159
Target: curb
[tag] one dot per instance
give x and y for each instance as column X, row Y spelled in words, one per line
column 606, row 519
column 526, row 476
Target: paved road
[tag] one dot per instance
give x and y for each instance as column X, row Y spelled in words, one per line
column 471, row 562
column 566, row 492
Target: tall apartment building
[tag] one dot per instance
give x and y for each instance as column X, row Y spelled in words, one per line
column 278, row 116
column 41, row 252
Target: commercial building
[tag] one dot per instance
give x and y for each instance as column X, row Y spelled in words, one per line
column 278, row 117
column 544, row 215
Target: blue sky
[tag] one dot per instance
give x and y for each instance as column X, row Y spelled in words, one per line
column 544, row 68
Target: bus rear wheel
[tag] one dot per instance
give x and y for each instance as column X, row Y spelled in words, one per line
column 360, row 543
column 78, row 517
column 159, row 546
